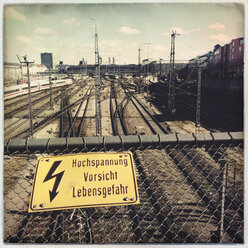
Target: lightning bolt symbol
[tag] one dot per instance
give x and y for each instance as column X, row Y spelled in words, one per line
column 57, row 177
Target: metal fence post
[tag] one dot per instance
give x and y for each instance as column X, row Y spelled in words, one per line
column 234, row 176
column 224, row 173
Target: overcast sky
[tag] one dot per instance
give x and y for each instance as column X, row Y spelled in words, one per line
column 67, row 31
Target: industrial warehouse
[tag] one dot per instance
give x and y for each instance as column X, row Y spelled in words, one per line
column 124, row 123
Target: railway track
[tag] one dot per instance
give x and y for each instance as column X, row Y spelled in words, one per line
column 16, row 127
column 20, row 100
column 141, row 233
column 180, row 188
column 150, row 120
column 20, row 127
column 117, row 112
column 23, row 106
column 81, row 217
column 208, row 179
column 65, row 217
column 73, row 123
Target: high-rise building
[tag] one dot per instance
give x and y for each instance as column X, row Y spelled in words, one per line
column 47, row 59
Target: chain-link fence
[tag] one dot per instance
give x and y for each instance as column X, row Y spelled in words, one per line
column 191, row 190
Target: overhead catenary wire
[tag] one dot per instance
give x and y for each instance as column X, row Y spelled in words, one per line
column 196, row 51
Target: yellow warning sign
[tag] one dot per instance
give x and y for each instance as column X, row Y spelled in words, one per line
column 84, row 180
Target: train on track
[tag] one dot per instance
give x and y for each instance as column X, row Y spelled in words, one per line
column 22, row 89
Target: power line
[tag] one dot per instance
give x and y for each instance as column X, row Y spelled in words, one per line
column 188, row 46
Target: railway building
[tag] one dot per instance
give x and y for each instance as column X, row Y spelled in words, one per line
column 223, row 67
column 104, row 68
column 224, row 61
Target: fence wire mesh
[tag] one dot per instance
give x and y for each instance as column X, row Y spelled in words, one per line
column 188, row 194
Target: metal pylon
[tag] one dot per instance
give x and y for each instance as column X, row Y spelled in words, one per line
column 171, row 98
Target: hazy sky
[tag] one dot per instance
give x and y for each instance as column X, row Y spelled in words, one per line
column 67, row 31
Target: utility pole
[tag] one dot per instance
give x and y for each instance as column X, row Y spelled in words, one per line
column 171, row 99
column 29, row 93
column 97, row 86
column 99, row 73
column 147, row 49
column 96, row 50
column 198, row 102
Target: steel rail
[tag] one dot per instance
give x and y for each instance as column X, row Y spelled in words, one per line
column 117, row 111
column 132, row 209
column 20, row 121
column 59, row 215
column 84, row 114
column 50, row 118
column 150, row 115
column 68, row 110
column 202, row 194
column 164, row 226
column 76, row 115
column 89, row 235
column 142, row 115
column 113, row 119
column 10, row 113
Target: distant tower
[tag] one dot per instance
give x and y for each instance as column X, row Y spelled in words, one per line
column 139, row 61
column 113, row 60
column 171, row 99
column 97, row 87
column 109, row 60
column 96, row 52
column 47, row 59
